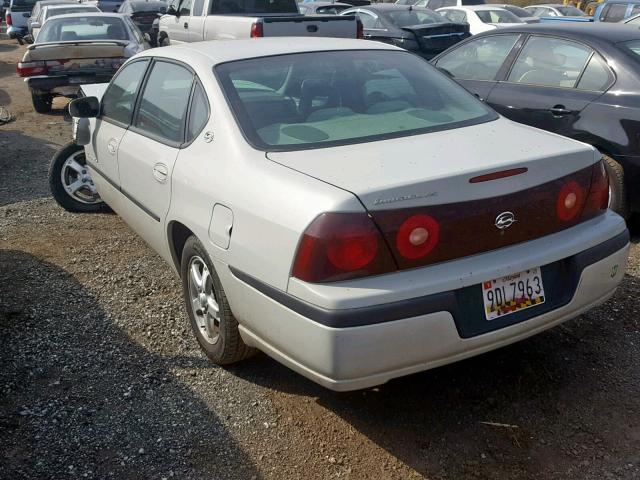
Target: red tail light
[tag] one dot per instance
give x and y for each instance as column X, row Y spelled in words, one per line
column 570, row 201
column 417, row 236
column 29, row 69
column 359, row 29
column 598, row 198
column 340, row 246
column 257, row 30
column 7, row 19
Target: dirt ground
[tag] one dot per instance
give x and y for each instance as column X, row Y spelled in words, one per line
column 101, row 378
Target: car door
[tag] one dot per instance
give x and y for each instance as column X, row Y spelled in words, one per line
column 476, row 63
column 196, row 21
column 116, row 111
column 177, row 26
column 149, row 148
column 550, row 83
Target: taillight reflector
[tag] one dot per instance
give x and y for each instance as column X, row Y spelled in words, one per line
column 598, row 198
column 570, row 201
column 7, row 19
column 359, row 29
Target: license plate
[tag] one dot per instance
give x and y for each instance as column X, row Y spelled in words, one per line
column 510, row 294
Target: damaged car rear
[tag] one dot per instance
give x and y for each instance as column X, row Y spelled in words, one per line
column 77, row 49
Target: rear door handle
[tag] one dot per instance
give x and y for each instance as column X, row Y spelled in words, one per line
column 186, row 25
column 559, row 110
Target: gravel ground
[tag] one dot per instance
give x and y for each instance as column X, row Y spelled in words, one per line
column 101, row 377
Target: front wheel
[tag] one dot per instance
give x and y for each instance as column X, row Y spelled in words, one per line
column 213, row 323
column 70, row 182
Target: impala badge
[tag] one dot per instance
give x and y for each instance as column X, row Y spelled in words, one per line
column 505, row 220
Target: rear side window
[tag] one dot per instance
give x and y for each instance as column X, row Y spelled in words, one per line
column 633, row 47
column 479, row 59
column 164, row 102
column 550, row 62
column 253, row 6
column 199, row 113
column 185, row 7
column 614, row 12
column 197, row 7
column 120, row 96
column 596, row 76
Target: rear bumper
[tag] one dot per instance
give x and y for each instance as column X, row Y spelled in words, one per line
column 17, row 32
column 395, row 339
column 65, row 82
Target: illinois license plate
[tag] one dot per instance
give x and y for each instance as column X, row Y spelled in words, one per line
column 510, row 294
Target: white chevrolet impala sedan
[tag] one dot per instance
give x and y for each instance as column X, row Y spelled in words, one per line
column 343, row 206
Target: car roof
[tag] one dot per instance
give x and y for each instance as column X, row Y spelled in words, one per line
column 46, row 3
column 476, row 8
column 221, row 51
column 386, row 7
column 554, row 5
column 320, row 4
column 599, row 31
column 64, row 6
column 91, row 14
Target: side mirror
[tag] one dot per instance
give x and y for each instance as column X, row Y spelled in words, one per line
column 172, row 11
column 147, row 37
column 86, row 107
column 35, row 25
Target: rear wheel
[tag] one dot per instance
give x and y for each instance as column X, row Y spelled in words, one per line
column 42, row 103
column 213, row 323
column 617, row 189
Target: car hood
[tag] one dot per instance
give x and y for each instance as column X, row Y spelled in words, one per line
column 435, row 168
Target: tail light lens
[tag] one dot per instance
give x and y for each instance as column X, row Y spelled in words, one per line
column 257, row 30
column 417, row 236
column 570, row 201
column 7, row 19
column 598, row 199
column 29, row 69
column 359, row 29
column 340, row 246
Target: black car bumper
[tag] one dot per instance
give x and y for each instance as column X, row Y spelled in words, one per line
column 46, row 84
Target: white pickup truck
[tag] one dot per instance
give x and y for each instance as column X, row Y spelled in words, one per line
column 198, row 20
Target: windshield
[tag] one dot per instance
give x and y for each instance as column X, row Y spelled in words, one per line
column 82, row 28
column 633, row 46
column 571, row 11
column 311, row 100
column 497, row 16
column 53, row 12
column 406, row 18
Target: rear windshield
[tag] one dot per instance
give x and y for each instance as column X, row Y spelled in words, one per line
column 23, row 4
column 406, row 18
column 82, row 28
column 312, row 100
column 53, row 12
column 497, row 16
column 570, row 11
column 253, row 6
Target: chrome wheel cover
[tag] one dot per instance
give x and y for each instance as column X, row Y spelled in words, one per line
column 76, row 180
column 203, row 303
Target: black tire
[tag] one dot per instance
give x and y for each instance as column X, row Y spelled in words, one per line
column 163, row 40
column 60, row 195
column 42, row 103
column 617, row 189
column 228, row 347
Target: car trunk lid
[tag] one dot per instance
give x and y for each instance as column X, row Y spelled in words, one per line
column 438, row 37
column 75, row 57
